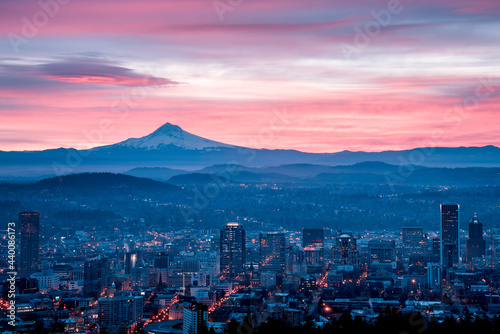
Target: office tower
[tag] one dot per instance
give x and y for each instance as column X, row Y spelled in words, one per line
column 414, row 241
column 30, row 243
column 195, row 318
column 382, row 251
column 345, row 250
column 190, row 265
column 130, row 262
column 433, row 275
column 95, row 277
column 116, row 313
column 436, row 246
column 47, row 279
column 23, row 285
column 450, row 245
column 313, row 237
column 161, row 260
column 475, row 245
column 313, row 241
column 267, row 279
column 313, row 255
column 272, row 252
column 232, row 249
column 215, row 244
column 140, row 276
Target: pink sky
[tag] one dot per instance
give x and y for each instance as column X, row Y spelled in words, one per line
column 291, row 74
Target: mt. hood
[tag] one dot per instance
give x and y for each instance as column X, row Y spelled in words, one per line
column 170, row 134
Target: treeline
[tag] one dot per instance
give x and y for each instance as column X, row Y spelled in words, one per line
column 388, row 322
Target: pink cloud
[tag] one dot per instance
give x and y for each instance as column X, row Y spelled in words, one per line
column 265, row 55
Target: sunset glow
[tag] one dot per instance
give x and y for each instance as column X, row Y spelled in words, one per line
column 316, row 76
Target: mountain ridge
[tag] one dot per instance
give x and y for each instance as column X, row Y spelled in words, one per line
column 171, row 147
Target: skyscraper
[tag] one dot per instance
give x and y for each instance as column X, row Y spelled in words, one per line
column 194, row 319
column 382, row 251
column 161, row 260
column 414, row 241
column 345, row 251
column 232, row 249
column 313, row 241
column 436, row 246
column 120, row 312
column 450, row 246
column 433, row 275
column 313, row 237
column 475, row 246
column 272, row 252
column 30, row 243
column 130, row 262
column 95, row 277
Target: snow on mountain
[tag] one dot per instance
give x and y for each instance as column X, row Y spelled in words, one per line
column 170, row 134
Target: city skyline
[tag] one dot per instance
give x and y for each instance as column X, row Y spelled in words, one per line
column 198, row 279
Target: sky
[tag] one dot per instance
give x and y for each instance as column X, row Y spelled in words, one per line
column 311, row 75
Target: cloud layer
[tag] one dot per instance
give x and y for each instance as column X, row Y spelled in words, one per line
column 367, row 75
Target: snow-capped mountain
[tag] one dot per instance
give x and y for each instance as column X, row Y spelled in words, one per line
column 172, row 147
column 170, row 134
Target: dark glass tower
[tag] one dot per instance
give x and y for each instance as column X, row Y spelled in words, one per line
column 313, row 237
column 475, row 246
column 272, row 252
column 450, row 245
column 313, row 242
column 95, row 277
column 161, row 260
column 436, row 246
column 345, row 251
column 232, row 249
column 30, row 243
column 414, row 241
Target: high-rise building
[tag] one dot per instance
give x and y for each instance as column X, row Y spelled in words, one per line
column 345, row 250
column 313, row 242
column 436, row 246
column 313, row 255
column 414, row 241
column 313, row 237
column 267, row 279
column 130, row 261
column 232, row 249
column 272, row 252
column 47, row 279
column 382, row 251
column 116, row 313
column 195, row 318
column 433, row 275
column 95, row 277
column 475, row 246
column 450, row 245
column 161, row 260
column 30, row 243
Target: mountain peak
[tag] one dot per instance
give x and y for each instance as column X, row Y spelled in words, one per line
column 171, row 134
column 168, row 128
